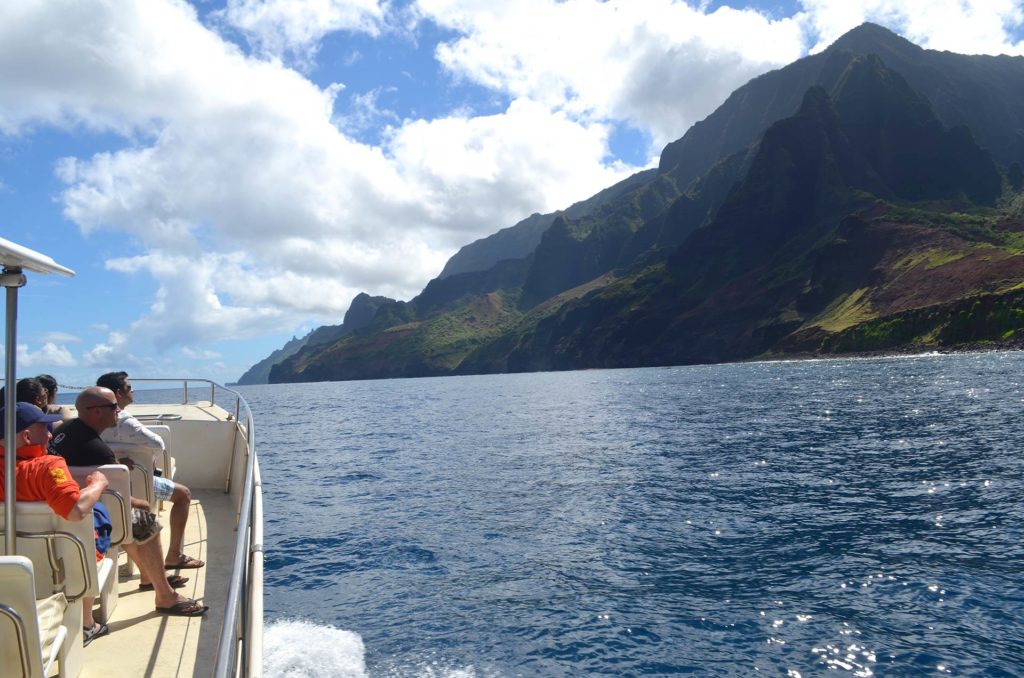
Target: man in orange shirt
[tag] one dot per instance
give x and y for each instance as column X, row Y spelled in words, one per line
column 43, row 477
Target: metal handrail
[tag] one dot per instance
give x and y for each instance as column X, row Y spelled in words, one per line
column 240, row 625
column 12, row 279
column 57, row 563
column 125, row 515
column 233, row 612
column 19, row 627
column 255, row 620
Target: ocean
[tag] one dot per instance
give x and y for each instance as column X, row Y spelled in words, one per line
column 844, row 517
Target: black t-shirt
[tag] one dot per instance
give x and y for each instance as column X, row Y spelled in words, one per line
column 81, row 446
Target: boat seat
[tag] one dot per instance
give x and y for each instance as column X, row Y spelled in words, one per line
column 117, row 499
column 168, row 465
column 145, row 460
column 63, row 555
column 32, row 632
column 63, row 551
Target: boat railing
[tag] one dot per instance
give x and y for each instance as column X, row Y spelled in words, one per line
column 20, row 634
column 240, row 648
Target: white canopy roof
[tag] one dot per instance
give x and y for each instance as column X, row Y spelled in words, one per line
column 13, row 255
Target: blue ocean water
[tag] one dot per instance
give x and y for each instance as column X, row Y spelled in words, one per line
column 860, row 517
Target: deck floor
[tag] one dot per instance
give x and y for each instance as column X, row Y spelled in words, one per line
column 144, row 643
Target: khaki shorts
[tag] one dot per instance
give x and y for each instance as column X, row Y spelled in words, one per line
column 145, row 526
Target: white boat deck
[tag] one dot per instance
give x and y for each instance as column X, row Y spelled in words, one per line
column 144, row 643
column 202, row 411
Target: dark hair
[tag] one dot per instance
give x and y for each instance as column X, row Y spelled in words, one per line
column 48, row 382
column 115, row 381
column 30, row 391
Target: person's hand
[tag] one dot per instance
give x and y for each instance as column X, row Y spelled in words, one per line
column 127, row 461
column 141, row 504
column 96, row 478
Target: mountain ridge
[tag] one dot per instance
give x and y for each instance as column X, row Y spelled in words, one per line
column 647, row 276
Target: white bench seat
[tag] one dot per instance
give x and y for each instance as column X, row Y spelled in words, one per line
column 168, row 463
column 63, row 558
column 145, row 460
column 117, row 499
column 32, row 632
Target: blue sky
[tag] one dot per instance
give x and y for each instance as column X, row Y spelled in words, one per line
column 225, row 174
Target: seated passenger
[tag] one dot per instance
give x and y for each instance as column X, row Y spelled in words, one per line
column 50, row 385
column 131, row 431
column 30, row 390
column 43, row 477
column 79, row 442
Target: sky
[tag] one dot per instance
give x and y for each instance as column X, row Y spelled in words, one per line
column 223, row 175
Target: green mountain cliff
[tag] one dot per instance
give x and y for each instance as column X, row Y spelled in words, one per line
column 867, row 198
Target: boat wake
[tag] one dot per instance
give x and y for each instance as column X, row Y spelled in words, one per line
column 293, row 648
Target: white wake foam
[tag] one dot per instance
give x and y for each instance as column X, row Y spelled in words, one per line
column 293, row 648
column 296, row 649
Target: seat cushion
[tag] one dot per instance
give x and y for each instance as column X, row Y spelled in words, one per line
column 51, row 617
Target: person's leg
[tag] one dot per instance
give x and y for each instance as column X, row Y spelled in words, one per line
column 181, row 500
column 91, row 629
column 149, row 558
column 87, row 619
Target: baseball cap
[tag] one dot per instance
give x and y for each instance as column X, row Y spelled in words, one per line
column 27, row 414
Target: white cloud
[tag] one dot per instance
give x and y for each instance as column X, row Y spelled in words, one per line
column 106, row 65
column 112, row 354
column 366, row 114
column 486, row 172
column 117, row 353
column 59, row 338
column 229, row 155
column 194, row 354
column 48, row 356
column 967, row 26
column 661, row 64
column 284, row 27
column 187, row 308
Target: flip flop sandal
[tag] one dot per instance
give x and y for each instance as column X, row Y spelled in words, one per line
column 175, row 580
column 91, row 634
column 186, row 563
column 184, row 608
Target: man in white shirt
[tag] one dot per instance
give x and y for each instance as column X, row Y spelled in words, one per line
column 131, row 431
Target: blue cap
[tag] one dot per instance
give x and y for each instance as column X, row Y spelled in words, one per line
column 27, row 415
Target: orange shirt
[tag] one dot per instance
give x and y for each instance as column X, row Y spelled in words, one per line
column 43, row 478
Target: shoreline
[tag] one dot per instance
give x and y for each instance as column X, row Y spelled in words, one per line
column 908, row 352
column 974, row 347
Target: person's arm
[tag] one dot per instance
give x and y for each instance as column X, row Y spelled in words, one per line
column 96, row 482
column 131, row 430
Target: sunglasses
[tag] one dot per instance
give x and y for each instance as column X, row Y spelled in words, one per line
column 109, row 406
